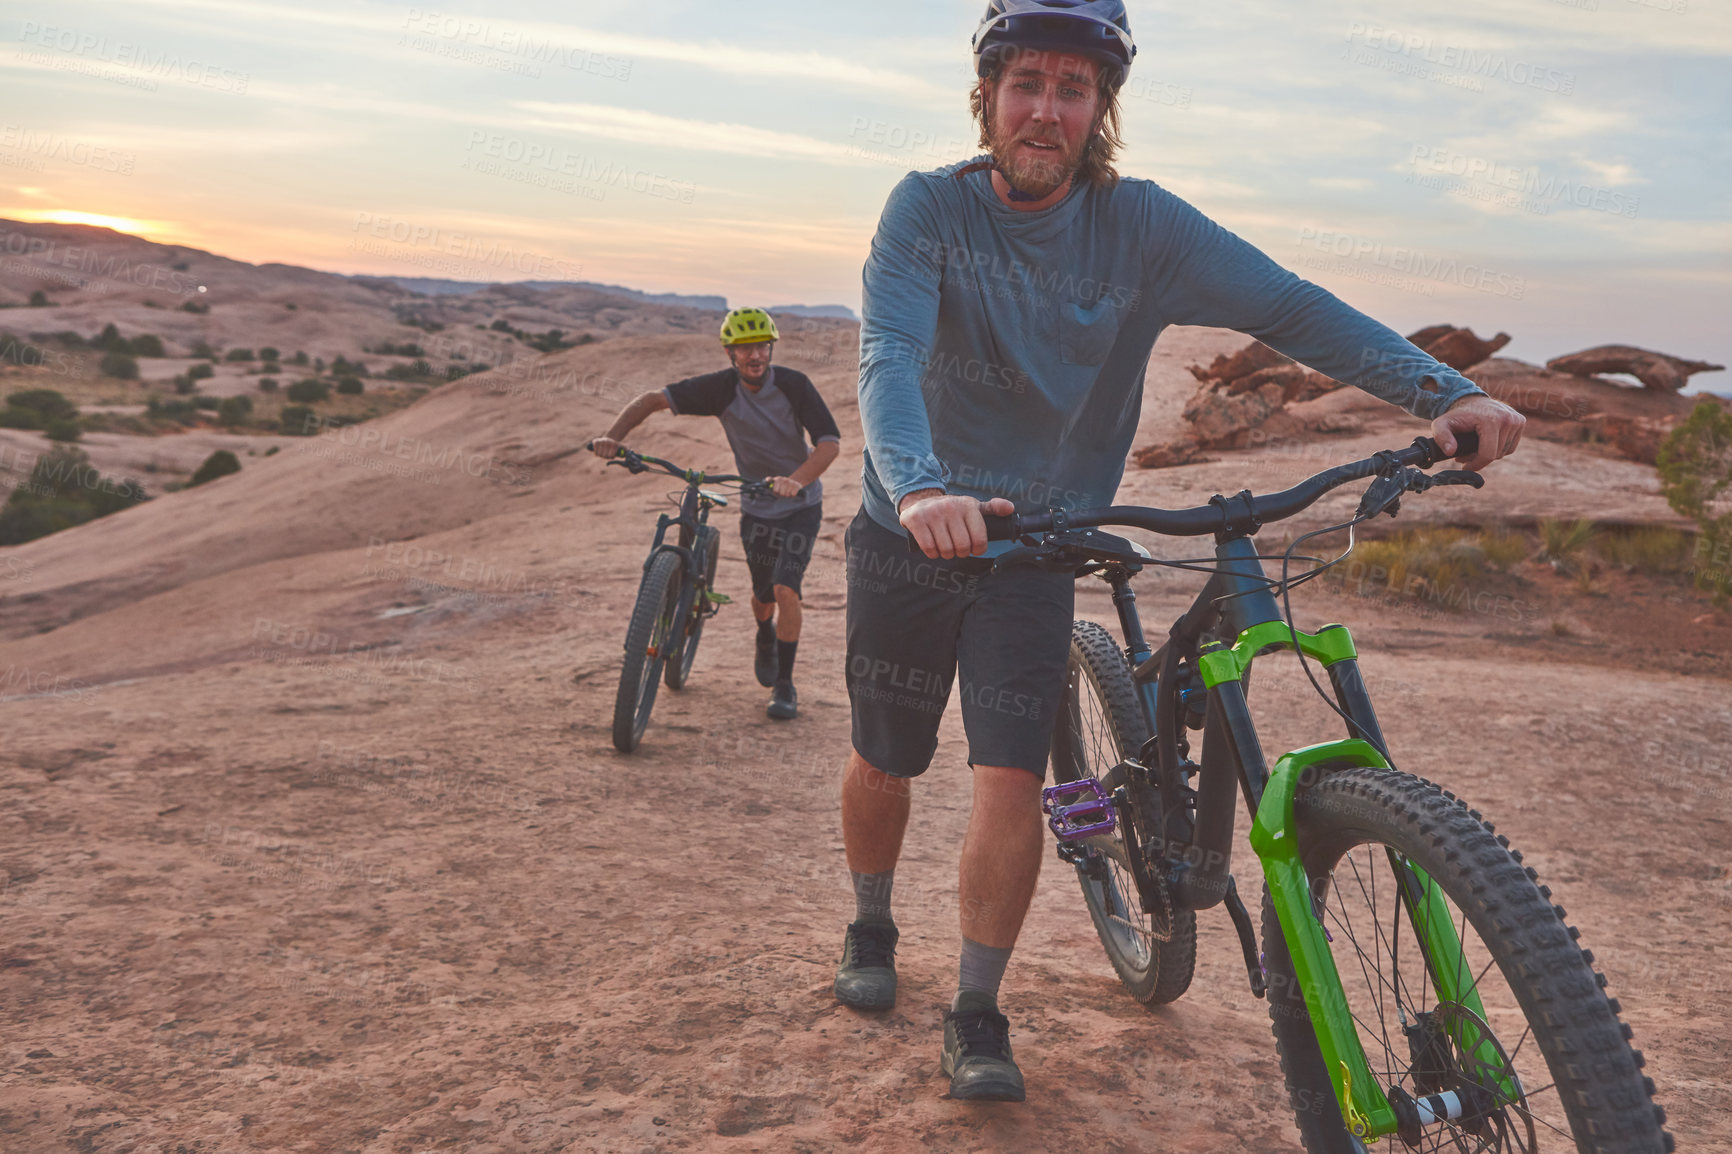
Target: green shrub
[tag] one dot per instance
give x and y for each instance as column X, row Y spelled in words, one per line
column 63, row 490
column 309, row 390
column 234, row 411
column 45, row 403
column 11, row 418
column 61, row 429
column 146, row 345
column 298, row 420
column 1562, row 543
column 201, row 349
column 268, row 384
column 1503, row 549
column 185, row 412
column 268, row 354
column 38, row 299
column 119, row 366
column 200, row 373
column 299, row 358
column 239, row 355
column 1420, row 559
column 210, row 403
column 406, row 349
column 110, row 339
column 349, row 386
column 1651, row 549
column 1695, row 463
column 340, row 366
column 219, row 464
column 195, row 307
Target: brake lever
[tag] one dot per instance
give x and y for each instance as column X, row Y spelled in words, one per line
column 1458, row 477
column 1384, row 494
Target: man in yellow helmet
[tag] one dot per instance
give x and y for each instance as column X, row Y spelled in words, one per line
column 763, row 410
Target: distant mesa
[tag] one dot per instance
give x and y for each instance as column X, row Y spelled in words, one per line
column 435, row 286
column 839, row 312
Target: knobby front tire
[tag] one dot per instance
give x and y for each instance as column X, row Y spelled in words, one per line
column 693, row 606
column 1099, row 724
column 1581, row 1084
column 652, row 626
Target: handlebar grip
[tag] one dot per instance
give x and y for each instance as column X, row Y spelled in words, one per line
column 1001, row 528
column 1466, row 444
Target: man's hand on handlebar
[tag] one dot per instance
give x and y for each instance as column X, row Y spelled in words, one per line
column 784, row 486
column 605, row 447
column 949, row 526
column 1499, row 428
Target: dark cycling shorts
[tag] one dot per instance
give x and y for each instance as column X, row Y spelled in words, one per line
column 777, row 551
column 917, row 625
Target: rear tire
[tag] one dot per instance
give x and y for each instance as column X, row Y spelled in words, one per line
column 695, row 604
column 1099, row 724
column 1543, row 1003
column 646, row 643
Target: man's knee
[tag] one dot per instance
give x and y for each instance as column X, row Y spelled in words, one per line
column 871, row 777
column 1008, row 784
column 785, row 594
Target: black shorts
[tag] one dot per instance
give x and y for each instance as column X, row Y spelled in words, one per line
column 778, row 551
column 916, row 625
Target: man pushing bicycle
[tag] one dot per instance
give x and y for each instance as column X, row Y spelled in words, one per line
column 764, row 409
column 1010, row 307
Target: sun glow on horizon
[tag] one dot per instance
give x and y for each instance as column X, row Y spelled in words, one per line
column 139, row 228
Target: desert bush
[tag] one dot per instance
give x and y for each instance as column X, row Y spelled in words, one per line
column 61, row 429
column 200, row 373
column 349, row 386
column 239, row 355
column 44, row 404
column 210, row 403
column 219, row 464
column 1503, row 549
column 11, row 418
column 1562, row 543
column 342, row 366
column 1439, row 558
column 195, row 307
column 38, row 299
column 413, row 371
column 1653, row 550
column 299, row 358
column 298, row 421
column 269, row 354
column 406, row 349
column 268, row 384
column 63, row 490
column 1695, row 463
column 119, row 366
column 309, row 390
column 234, row 411
column 185, row 412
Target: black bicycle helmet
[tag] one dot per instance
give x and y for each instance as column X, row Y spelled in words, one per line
column 1095, row 28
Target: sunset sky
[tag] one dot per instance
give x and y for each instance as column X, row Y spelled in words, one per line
column 1558, row 169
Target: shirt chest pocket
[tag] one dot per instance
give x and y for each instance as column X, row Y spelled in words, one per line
column 1086, row 332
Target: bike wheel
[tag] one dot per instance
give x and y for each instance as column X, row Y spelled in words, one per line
column 695, row 610
column 1547, row 1066
column 646, row 645
column 1099, row 724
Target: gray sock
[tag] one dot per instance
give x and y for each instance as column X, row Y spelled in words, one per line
column 982, row 968
column 872, row 895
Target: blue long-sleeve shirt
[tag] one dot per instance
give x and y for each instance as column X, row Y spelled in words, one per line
column 1002, row 353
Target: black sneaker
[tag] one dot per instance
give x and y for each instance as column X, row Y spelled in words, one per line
column 784, row 702
column 977, row 1051
column 866, row 979
column 766, row 664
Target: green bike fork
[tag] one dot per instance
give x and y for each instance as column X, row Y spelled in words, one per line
column 1365, row 1107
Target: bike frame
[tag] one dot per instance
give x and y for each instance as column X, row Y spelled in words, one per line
column 1237, row 602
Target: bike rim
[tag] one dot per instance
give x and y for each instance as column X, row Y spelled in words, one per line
column 1096, row 751
column 1490, row 1061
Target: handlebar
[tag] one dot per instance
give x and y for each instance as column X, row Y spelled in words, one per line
column 1242, row 511
column 640, row 463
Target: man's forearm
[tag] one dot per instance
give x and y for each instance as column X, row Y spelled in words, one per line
column 822, row 456
column 634, row 415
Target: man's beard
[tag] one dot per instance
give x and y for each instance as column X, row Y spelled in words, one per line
column 1035, row 176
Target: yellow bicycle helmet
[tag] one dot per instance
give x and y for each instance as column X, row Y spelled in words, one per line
column 748, row 327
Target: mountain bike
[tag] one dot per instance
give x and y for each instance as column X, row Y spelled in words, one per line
column 1420, row 982
column 675, row 597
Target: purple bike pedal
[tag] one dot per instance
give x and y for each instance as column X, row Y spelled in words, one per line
column 1077, row 809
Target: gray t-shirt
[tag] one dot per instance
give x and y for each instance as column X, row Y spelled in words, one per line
column 763, row 425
